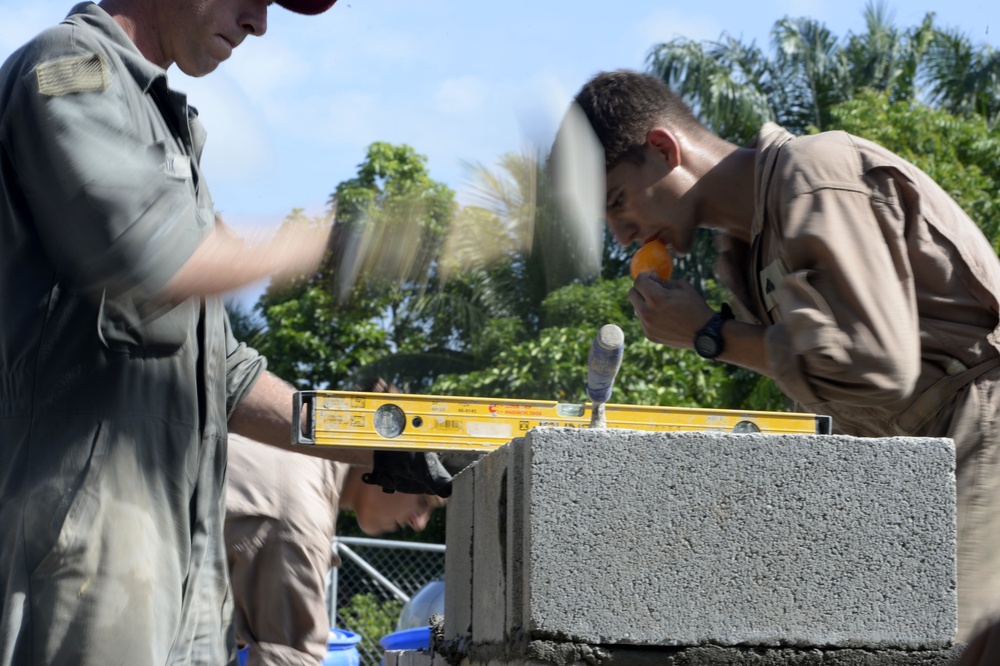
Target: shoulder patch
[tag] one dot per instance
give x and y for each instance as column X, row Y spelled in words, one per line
column 87, row 73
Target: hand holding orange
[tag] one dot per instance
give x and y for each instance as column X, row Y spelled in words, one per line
column 653, row 257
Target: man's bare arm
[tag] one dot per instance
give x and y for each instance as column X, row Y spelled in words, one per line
column 225, row 261
column 266, row 416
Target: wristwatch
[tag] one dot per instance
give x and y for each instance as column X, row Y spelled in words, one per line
column 708, row 340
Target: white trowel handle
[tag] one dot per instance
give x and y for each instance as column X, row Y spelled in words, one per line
column 603, row 362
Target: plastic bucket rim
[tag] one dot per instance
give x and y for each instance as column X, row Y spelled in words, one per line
column 342, row 639
column 415, row 638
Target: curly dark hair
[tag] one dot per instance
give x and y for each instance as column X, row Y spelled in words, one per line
column 623, row 105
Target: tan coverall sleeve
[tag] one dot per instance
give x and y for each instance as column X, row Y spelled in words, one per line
column 849, row 331
column 280, row 579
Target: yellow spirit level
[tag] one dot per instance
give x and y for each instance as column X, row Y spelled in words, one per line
column 438, row 423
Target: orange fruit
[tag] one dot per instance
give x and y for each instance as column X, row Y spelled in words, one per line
column 653, row 257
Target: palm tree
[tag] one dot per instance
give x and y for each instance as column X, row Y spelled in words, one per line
column 734, row 87
column 814, row 69
column 962, row 78
column 885, row 58
column 728, row 84
column 500, row 256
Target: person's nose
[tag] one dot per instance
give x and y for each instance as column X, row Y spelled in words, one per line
column 254, row 19
column 624, row 232
column 418, row 521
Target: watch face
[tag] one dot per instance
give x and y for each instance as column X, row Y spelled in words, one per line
column 707, row 346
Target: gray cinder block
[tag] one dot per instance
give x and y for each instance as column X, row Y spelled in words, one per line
column 458, row 557
column 489, row 552
column 687, row 539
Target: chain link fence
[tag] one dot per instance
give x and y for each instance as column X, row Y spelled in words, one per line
column 366, row 593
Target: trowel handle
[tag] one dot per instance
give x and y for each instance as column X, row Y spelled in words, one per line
column 603, row 362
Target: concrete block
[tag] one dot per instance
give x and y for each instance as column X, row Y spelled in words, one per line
column 489, row 549
column 706, row 538
column 554, row 654
column 697, row 539
column 516, row 517
column 408, row 658
column 458, row 556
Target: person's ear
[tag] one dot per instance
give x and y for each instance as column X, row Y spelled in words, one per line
column 665, row 143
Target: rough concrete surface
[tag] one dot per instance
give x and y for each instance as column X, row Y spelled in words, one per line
column 730, row 656
column 458, row 556
column 543, row 653
column 516, row 652
column 615, row 537
column 700, row 538
column 489, row 551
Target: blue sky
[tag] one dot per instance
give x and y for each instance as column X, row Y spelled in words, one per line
column 290, row 115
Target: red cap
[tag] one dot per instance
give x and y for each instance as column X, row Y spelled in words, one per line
column 307, row 6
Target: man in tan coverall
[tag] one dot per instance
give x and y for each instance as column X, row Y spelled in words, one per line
column 281, row 518
column 860, row 286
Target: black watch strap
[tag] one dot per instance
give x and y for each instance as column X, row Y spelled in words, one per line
column 708, row 340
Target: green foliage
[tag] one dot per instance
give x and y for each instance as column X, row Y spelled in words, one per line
column 389, row 176
column 369, row 617
column 963, row 78
column 314, row 342
column 727, row 83
column 735, row 87
column 591, row 306
column 546, row 366
column 334, row 329
column 552, row 365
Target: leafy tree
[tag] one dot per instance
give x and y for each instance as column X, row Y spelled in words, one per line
column 729, row 85
column 390, row 220
column 886, row 58
column 309, row 338
column 336, row 328
column 371, row 618
column 962, row 78
column 734, row 87
column 553, row 364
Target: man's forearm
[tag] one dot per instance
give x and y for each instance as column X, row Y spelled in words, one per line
column 225, row 261
column 744, row 346
column 266, row 416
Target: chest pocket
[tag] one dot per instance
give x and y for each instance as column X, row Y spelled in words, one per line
column 149, row 329
column 771, row 278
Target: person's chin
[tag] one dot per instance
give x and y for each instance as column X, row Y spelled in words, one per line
column 197, row 73
column 374, row 530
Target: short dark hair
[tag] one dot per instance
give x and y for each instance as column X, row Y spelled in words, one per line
column 623, row 105
column 379, row 385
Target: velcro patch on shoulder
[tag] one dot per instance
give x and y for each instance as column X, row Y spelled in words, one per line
column 87, row 73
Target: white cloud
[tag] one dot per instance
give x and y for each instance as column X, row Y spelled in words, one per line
column 665, row 24
column 240, row 144
column 265, row 70
column 461, row 95
column 541, row 104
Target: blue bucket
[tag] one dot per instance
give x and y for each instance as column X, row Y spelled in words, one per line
column 342, row 648
column 418, row 638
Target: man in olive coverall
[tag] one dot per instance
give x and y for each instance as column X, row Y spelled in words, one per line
column 118, row 368
column 858, row 285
